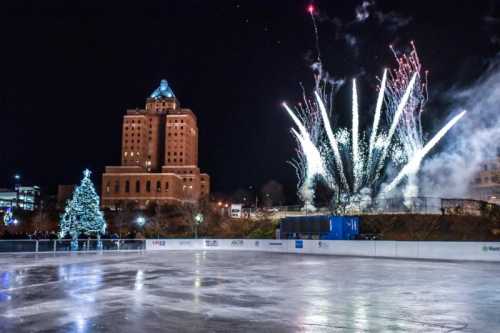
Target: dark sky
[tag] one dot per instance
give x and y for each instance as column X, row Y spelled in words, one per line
column 70, row 69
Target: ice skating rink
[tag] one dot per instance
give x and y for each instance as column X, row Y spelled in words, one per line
column 225, row 291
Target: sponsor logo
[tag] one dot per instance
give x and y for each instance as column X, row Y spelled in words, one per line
column 491, row 248
column 211, row 243
column 237, row 242
column 276, row 243
column 186, row 243
column 299, row 244
column 322, row 245
column 159, row 243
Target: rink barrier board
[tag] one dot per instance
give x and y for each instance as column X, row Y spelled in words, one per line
column 476, row 251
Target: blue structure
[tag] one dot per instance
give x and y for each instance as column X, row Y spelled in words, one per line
column 343, row 227
column 320, row 227
column 163, row 90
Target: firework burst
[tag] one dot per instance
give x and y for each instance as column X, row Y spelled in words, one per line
column 353, row 163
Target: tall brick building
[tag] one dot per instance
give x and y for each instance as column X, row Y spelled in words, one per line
column 159, row 161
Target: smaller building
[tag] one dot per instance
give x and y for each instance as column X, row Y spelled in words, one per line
column 24, row 197
column 486, row 184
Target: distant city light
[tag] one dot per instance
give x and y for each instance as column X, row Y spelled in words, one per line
column 310, row 9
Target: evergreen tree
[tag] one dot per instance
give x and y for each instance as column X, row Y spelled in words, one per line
column 82, row 214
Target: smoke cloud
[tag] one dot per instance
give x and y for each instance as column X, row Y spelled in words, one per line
column 475, row 139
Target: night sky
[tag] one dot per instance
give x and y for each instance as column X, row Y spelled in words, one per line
column 70, row 69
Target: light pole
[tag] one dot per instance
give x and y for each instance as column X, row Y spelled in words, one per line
column 198, row 219
column 17, row 180
column 140, row 221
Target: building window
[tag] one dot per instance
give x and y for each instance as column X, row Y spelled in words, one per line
column 117, row 186
column 148, row 186
column 108, row 187
column 127, row 186
column 158, row 186
column 166, row 186
column 138, row 186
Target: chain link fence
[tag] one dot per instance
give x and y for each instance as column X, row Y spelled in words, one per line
column 413, row 205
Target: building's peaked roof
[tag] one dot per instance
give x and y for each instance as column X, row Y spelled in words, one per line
column 163, row 90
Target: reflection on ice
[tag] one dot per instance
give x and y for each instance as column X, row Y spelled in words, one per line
column 243, row 291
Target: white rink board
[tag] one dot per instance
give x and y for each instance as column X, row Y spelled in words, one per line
column 483, row 251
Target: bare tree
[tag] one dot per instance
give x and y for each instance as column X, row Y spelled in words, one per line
column 272, row 194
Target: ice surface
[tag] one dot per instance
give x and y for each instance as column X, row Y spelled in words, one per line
column 224, row 291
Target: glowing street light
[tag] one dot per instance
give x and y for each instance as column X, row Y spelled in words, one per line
column 140, row 220
column 198, row 219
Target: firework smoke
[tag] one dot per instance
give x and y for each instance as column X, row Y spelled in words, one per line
column 451, row 172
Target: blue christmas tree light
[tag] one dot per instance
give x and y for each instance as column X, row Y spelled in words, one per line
column 8, row 218
column 82, row 214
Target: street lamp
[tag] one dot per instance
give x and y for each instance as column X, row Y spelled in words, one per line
column 140, row 220
column 17, row 179
column 198, row 219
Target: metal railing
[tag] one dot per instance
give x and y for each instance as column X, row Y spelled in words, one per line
column 64, row 245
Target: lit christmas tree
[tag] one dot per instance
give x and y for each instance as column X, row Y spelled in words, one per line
column 82, row 214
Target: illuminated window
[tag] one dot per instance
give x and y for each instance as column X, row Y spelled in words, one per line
column 108, row 187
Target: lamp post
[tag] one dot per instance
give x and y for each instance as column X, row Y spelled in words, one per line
column 140, row 221
column 17, row 179
column 198, row 219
